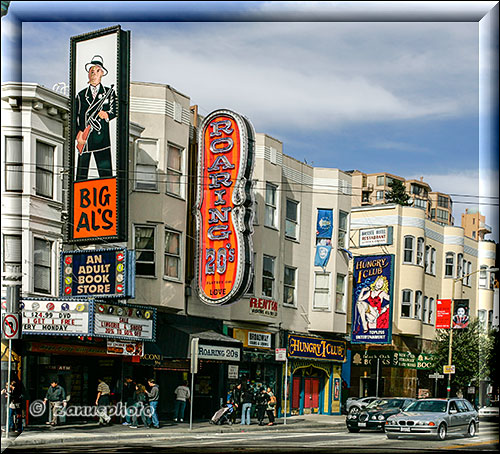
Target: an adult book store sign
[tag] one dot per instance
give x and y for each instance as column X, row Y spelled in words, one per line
column 56, row 317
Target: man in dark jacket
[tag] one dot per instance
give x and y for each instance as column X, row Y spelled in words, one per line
column 154, row 397
column 56, row 397
column 247, row 399
column 261, row 402
column 128, row 398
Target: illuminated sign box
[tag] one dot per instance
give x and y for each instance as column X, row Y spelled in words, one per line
column 315, row 348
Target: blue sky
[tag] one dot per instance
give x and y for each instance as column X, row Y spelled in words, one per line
column 401, row 97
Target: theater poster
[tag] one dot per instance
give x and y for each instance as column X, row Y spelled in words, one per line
column 372, row 303
column 99, row 136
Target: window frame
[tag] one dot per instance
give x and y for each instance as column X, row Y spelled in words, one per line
column 433, row 261
column 270, row 206
column 50, row 245
column 169, row 254
column 409, row 303
column 420, row 251
column 295, row 222
column 449, row 268
column 343, row 309
column 11, row 165
column 417, row 307
column 157, row 166
column 288, row 286
column 153, row 250
column 409, row 250
column 48, row 172
column 270, row 278
column 343, row 233
column 178, row 172
column 320, row 290
column 10, row 266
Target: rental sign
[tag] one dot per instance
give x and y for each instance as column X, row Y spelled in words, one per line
column 224, row 208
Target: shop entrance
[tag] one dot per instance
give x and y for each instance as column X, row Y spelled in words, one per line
column 311, row 392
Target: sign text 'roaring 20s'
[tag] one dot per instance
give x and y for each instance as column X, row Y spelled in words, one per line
column 263, row 306
column 375, row 237
column 216, row 352
column 314, row 348
column 224, row 208
column 56, row 317
column 372, row 297
column 124, row 321
column 99, row 131
column 99, row 273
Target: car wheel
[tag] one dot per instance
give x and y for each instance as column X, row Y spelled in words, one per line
column 391, row 436
column 353, row 430
column 471, row 431
column 441, row 433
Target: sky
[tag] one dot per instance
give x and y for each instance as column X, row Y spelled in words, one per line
column 341, row 84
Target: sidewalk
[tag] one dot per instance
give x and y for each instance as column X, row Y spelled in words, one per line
column 81, row 433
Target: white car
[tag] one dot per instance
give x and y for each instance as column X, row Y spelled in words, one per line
column 355, row 405
column 490, row 411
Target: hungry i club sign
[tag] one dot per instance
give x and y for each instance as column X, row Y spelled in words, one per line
column 224, row 209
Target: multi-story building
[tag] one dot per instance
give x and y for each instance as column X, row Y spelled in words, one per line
column 474, row 225
column 371, row 189
column 429, row 257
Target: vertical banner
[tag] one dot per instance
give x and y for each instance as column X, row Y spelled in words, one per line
column 461, row 314
column 324, row 227
column 224, row 207
column 443, row 314
column 99, row 131
column 322, row 255
column 372, row 299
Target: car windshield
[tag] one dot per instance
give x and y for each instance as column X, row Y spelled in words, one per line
column 433, row 406
column 385, row 403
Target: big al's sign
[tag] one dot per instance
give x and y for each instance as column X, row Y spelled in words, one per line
column 224, row 212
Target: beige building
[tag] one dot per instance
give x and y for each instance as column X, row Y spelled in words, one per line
column 429, row 258
column 474, row 225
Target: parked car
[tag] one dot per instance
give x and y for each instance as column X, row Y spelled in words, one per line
column 355, row 404
column 435, row 418
column 374, row 415
column 489, row 412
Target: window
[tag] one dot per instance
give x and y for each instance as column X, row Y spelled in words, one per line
column 268, row 276
column 408, row 249
column 462, row 408
column 419, row 203
column 42, row 266
column 415, row 189
column 14, row 164
column 292, row 219
column 172, row 254
column 289, row 298
column 433, row 261
column 340, row 302
column 146, row 165
column 366, row 197
column 145, row 261
column 442, row 215
column 443, row 202
column 460, row 259
column 468, row 278
column 449, row 265
column 418, row 305
column 12, row 254
column 321, row 291
column 406, row 303
column 427, row 259
column 483, row 322
column 174, row 170
column 483, row 277
column 342, row 236
column 420, row 251
column 380, row 195
column 430, row 318
column 44, row 170
column 425, row 310
column 433, row 213
column 380, row 180
column 270, row 220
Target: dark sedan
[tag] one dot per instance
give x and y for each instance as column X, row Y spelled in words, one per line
column 373, row 417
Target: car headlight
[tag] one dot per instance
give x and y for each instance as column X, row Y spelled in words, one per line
column 420, row 423
column 381, row 417
column 374, row 417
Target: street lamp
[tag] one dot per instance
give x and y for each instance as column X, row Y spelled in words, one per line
column 487, row 270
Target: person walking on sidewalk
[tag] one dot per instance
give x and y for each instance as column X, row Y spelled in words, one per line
column 182, row 394
column 128, row 398
column 139, row 407
column 235, row 400
column 271, row 406
column 154, row 397
column 261, row 401
column 57, row 398
column 102, row 402
column 247, row 399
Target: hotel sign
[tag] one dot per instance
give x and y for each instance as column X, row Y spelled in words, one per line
column 224, row 207
column 315, row 348
column 375, row 237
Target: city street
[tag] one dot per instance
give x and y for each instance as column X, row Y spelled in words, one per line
column 318, row 433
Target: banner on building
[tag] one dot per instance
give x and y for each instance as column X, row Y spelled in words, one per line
column 253, row 338
column 105, row 273
column 125, row 348
column 263, row 306
column 324, row 225
column 461, row 314
column 316, row 348
column 56, row 316
column 443, row 314
column 372, row 302
column 224, row 207
column 375, row 237
column 322, row 255
column 99, row 131
column 124, row 321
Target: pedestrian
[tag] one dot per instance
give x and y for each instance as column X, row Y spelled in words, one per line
column 128, row 398
column 57, row 398
column 182, row 395
column 261, row 401
column 139, row 407
column 247, row 399
column 102, row 402
column 235, row 400
column 13, row 391
column 154, row 397
column 271, row 406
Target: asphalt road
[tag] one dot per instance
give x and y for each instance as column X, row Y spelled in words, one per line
column 315, row 441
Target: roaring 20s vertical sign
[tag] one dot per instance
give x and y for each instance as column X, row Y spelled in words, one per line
column 99, row 93
column 224, row 208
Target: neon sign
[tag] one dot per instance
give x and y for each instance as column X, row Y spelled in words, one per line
column 224, row 208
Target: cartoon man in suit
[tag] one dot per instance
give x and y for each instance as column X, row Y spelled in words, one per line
column 95, row 108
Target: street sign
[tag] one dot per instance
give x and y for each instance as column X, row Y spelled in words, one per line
column 280, row 354
column 10, row 326
column 194, row 355
column 436, row 376
column 449, row 369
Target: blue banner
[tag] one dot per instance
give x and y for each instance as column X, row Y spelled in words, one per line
column 372, row 296
column 324, row 228
column 322, row 255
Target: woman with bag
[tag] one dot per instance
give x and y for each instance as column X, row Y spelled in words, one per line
column 271, row 406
